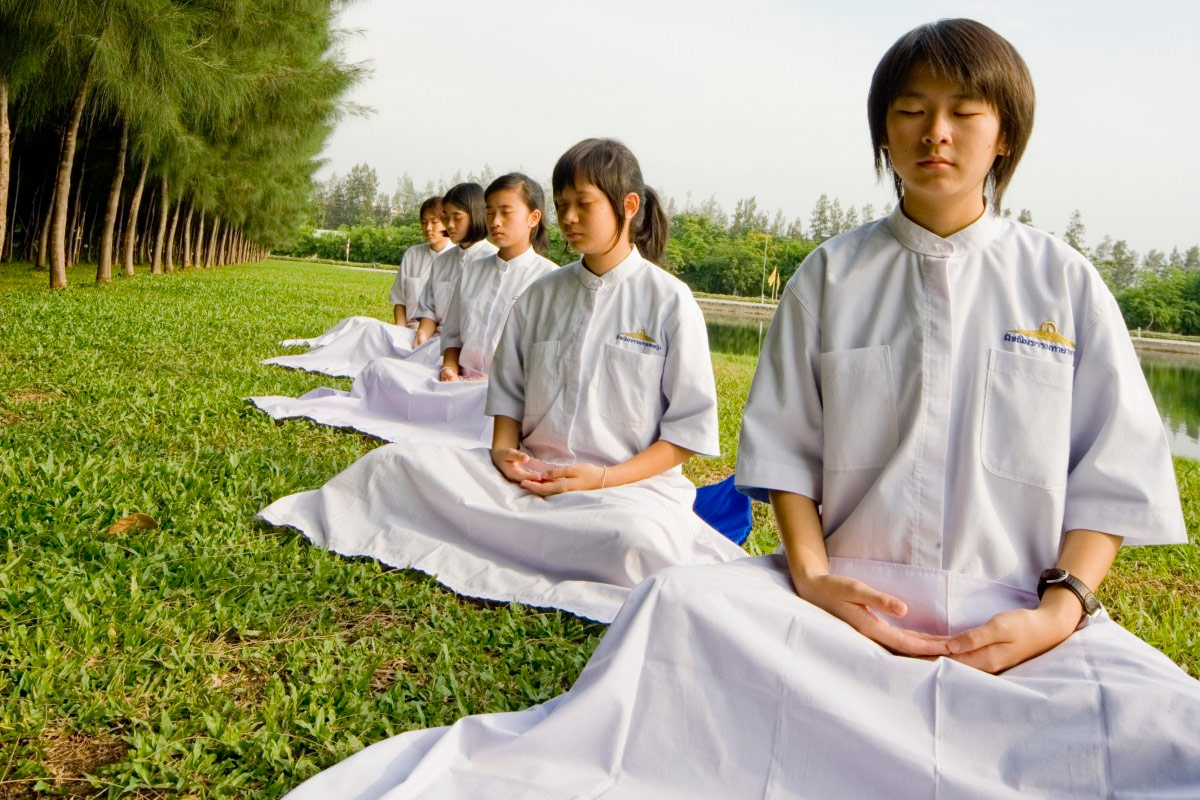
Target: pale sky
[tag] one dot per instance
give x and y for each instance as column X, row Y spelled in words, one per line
column 768, row 98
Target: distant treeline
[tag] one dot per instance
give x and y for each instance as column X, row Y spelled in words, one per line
column 746, row 253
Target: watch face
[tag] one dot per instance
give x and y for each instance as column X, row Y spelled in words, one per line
column 1054, row 575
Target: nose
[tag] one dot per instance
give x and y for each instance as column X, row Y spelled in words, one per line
column 938, row 129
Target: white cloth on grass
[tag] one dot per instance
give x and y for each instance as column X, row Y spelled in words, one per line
column 448, row 512
column 719, row 682
column 396, row 400
column 452, row 514
column 480, row 303
column 347, row 347
column 399, row 400
column 443, row 277
column 412, row 276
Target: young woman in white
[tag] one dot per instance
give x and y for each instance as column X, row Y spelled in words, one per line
column 415, row 400
column 950, row 421
column 601, row 387
column 416, row 263
column 464, row 215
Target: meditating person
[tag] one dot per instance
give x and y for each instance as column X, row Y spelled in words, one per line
column 465, row 217
column 416, row 263
column 410, row 399
column 601, row 387
column 951, row 425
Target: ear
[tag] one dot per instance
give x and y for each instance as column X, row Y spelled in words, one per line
column 1002, row 145
column 632, row 203
column 535, row 217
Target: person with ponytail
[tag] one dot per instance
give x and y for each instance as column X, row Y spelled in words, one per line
column 601, row 387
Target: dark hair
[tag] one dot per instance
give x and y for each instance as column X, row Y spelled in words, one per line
column 534, row 199
column 469, row 197
column 977, row 58
column 612, row 168
column 433, row 204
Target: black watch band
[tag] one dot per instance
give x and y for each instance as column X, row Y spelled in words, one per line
column 1056, row 576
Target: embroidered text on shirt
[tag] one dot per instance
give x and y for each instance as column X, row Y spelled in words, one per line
column 639, row 337
column 1046, row 337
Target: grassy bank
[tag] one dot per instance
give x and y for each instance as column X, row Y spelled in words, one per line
column 212, row 657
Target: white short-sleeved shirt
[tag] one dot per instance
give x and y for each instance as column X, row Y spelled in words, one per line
column 598, row 368
column 443, row 275
column 412, row 275
column 957, row 403
column 481, row 301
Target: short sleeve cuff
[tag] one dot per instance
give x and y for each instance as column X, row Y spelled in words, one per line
column 1137, row 526
column 504, row 407
column 755, row 478
column 699, row 442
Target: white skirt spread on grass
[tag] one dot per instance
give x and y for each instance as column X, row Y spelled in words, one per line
column 396, row 400
column 718, row 682
column 348, row 346
column 448, row 512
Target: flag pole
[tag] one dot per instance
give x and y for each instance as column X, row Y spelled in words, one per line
column 762, row 296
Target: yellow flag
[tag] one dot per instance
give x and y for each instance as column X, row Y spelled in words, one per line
column 773, row 278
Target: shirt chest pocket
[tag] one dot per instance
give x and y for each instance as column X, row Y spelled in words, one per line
column 412, row 293
column 441, row 298
column 542, row 381
column 1026, row 432
column 859, row 408
column 630, row 390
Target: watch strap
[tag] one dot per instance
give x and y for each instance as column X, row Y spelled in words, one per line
column 1057, row 576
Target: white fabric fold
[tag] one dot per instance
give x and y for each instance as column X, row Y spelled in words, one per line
column 396, row 400
column 719, row 682
column 450, row 513
column 347, row 347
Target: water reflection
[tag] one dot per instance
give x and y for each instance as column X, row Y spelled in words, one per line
column 1174, row 380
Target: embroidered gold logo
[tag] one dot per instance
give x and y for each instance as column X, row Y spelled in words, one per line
column 640, row 337
column 1046, row 337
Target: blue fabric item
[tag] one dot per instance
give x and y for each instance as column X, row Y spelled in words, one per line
column 726, row 509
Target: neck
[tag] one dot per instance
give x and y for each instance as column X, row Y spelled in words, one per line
column 944, row 219
column 512, row 251
column 600, row 263
column 439, row 245
column 464, row 244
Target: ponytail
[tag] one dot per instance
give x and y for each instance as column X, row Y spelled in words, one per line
column 650, row 227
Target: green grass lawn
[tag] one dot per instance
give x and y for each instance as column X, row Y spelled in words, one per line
column 214, row 657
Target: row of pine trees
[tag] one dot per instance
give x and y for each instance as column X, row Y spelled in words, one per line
column 175, row 133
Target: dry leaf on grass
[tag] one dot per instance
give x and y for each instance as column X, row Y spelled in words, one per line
column 132, row 522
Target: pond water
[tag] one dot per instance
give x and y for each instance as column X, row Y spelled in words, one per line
column 1174, row 379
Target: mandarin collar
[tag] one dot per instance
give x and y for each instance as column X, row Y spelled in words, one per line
column 472, row 247
column 519, row 260
column 614, row 276
column 973, row 237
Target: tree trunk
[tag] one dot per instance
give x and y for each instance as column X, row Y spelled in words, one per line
column 223, row 253
column 62, row 191
column 199, row 254
column 131, row 227
column 187, row 236
column 212, row 242
column 171, row 236
column 164, row 203
column 5, row 155
column 104, row 263
column 43, row 255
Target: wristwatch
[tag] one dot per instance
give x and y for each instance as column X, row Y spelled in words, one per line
column 1056, row 576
